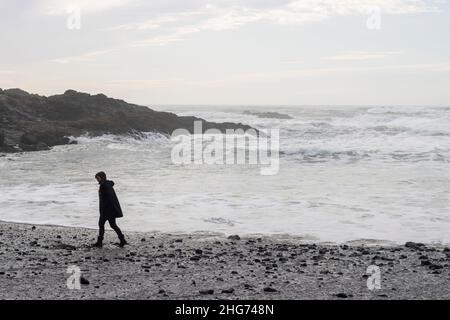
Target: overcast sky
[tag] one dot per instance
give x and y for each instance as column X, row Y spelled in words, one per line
column 235, row 52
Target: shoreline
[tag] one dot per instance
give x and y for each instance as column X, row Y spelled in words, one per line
column 280, row 237
column 34, row 261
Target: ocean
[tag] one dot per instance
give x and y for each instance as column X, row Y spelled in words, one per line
column 346, row 174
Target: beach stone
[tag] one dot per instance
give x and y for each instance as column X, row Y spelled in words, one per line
column 234, row 237
column 425, row 263
column 41, row 146
column 205, row 292
column 228, row 291
column 84, row 281
column 269, row 289
column 341, row 295
column 414, row 245
column 64, row 246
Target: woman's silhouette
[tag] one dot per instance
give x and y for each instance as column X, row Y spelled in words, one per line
column 109, row 209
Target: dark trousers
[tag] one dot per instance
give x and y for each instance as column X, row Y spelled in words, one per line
column 112, row 223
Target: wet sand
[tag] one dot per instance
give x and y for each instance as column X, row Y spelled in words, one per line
column 34, row 262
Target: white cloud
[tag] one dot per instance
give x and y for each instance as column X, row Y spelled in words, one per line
column 364, row 55
column 157, row 41
column 85, row 57
column 146, row 25
column 324, row 72
column 265, row 77
column 218, row 17
column 58, row 7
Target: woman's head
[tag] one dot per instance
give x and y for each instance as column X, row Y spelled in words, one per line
column 101, row 176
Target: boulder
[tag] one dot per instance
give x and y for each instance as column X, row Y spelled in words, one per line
column 41, row 146
column 27, row 147
column 28, row 139
column 414, row 245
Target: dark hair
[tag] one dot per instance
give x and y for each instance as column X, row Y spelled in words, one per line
column 101, row 175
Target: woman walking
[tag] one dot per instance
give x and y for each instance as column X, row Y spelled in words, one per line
column 109, row 209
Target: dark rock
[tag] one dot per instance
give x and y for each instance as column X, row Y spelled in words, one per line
column 41, row 146
column 234, row 237
column 269, row 289
column 205, row 292
column 268, row 115
column 28, row 139
column 229, row 291
column 27, row 147
column 415, row 245
column 84, row 281
column 64, row 246
column 342, row 295
column 425, row 263
column 198, row 251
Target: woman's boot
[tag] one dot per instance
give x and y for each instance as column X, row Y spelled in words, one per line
column 99, row 243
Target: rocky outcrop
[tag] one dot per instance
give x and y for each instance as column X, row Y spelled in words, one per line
column 30, row 122
column 268, row 115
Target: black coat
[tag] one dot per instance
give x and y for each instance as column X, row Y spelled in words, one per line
column 109, row 204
